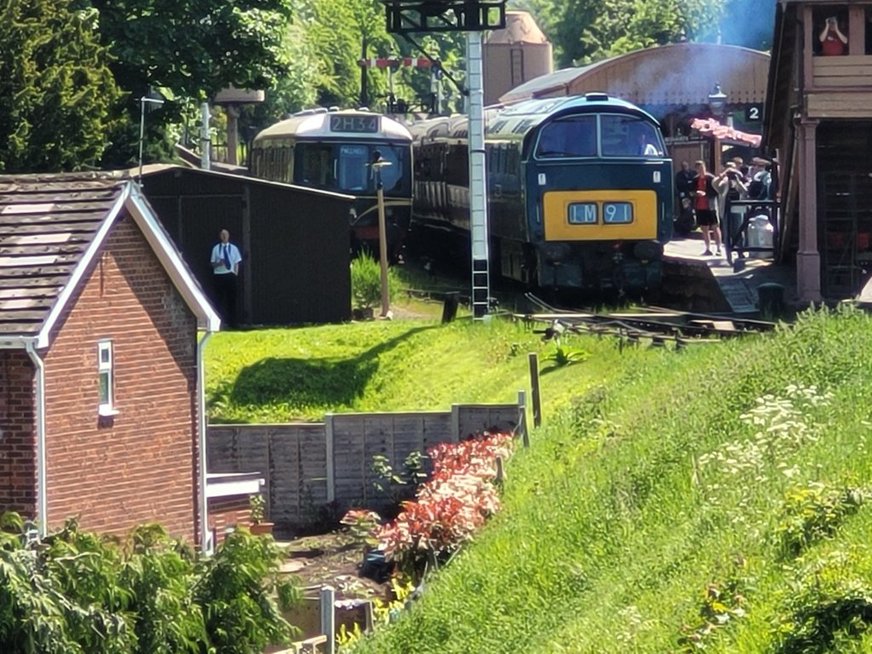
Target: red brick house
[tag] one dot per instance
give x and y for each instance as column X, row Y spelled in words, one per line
column 102, row 328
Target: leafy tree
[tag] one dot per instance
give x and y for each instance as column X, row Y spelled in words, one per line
column 192, row 48
column 75, row 593
column 584, row 31
column 56, row 90
column 339, row 29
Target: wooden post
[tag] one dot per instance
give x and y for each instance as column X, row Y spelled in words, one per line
column 328, row 618
column 522, row 418
column 534, row 388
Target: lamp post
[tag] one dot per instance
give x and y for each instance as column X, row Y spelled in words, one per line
column 717, row 100
column 377, row 164
column 143, row 101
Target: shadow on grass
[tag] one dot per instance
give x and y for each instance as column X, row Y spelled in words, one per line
column 313, row 381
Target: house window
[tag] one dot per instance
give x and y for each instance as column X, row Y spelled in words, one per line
column 105, row 376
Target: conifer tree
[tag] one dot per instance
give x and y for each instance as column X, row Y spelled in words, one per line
column 56, row 90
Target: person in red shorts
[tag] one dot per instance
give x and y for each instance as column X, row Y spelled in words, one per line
column 833, row 42
column 705, row 202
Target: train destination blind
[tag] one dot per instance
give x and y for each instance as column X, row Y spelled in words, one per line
column 365, row 124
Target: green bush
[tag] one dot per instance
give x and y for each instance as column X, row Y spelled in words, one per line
column 77, row 593
column 366, row 282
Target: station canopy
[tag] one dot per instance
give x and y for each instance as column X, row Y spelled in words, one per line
column 679, row 74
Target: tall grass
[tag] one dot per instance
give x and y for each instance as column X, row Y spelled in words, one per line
column 714, row 500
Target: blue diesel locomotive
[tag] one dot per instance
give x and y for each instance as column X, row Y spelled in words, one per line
column 579, row 192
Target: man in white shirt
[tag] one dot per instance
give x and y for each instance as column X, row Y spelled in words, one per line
column 225, row 267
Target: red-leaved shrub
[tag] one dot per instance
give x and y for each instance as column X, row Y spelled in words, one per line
column 451, row 505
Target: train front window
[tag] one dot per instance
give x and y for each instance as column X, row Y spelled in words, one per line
column 356, row 173
column 629, row 136
column 353, row 167
column 313, row 165
column 573, row 136
column 346, row 167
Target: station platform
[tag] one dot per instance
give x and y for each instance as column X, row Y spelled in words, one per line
column 712, row 283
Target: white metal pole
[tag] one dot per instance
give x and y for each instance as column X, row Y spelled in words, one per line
column 205, row 140
column 141, row 134
column 143, row 102
column 477, row 177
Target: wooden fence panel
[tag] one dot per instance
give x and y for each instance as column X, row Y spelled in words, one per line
column 297, row 463
column 474, row 419
column 308, row 466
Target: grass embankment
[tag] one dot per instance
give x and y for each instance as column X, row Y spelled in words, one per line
column 714, row 499
column 275, row 375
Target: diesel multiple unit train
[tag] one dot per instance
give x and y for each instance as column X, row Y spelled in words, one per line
column 334, row 151
column 579, row 192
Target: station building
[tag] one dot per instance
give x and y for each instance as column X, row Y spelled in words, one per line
column 818, row 118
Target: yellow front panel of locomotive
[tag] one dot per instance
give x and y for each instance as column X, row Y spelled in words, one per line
column 591, row 207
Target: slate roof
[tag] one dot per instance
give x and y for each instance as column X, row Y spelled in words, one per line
column 50, row 225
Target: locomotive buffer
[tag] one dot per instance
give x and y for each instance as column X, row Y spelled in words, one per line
column 472, row 17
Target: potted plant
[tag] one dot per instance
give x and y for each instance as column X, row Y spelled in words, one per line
column 257, row 514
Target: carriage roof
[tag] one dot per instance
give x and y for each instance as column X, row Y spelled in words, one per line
column 514, row 121
column 344, row 124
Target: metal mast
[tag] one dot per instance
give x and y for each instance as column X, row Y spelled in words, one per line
column 474, row 17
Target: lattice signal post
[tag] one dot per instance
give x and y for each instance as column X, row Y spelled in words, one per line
column 473, row 17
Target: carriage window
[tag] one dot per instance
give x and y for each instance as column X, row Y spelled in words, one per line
column 628, row 136
column 574, row 136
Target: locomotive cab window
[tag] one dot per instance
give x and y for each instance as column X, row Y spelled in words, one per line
column 573, row 136
column 629, row 136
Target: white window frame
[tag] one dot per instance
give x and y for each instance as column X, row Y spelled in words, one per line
column 106, row 367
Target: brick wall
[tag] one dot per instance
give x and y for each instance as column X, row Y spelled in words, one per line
column 140, row 465
column 17, row 433
column 228, row 512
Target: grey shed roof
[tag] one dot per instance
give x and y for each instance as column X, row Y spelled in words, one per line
column 51, row 227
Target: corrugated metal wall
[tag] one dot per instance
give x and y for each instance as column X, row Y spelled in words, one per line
column 295, row 242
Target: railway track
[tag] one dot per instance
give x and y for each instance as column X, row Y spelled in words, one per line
column 654, row 324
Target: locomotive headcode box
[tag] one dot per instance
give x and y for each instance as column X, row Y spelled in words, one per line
column 366, row 124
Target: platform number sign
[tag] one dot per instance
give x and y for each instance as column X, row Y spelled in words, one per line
column 753, row 113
